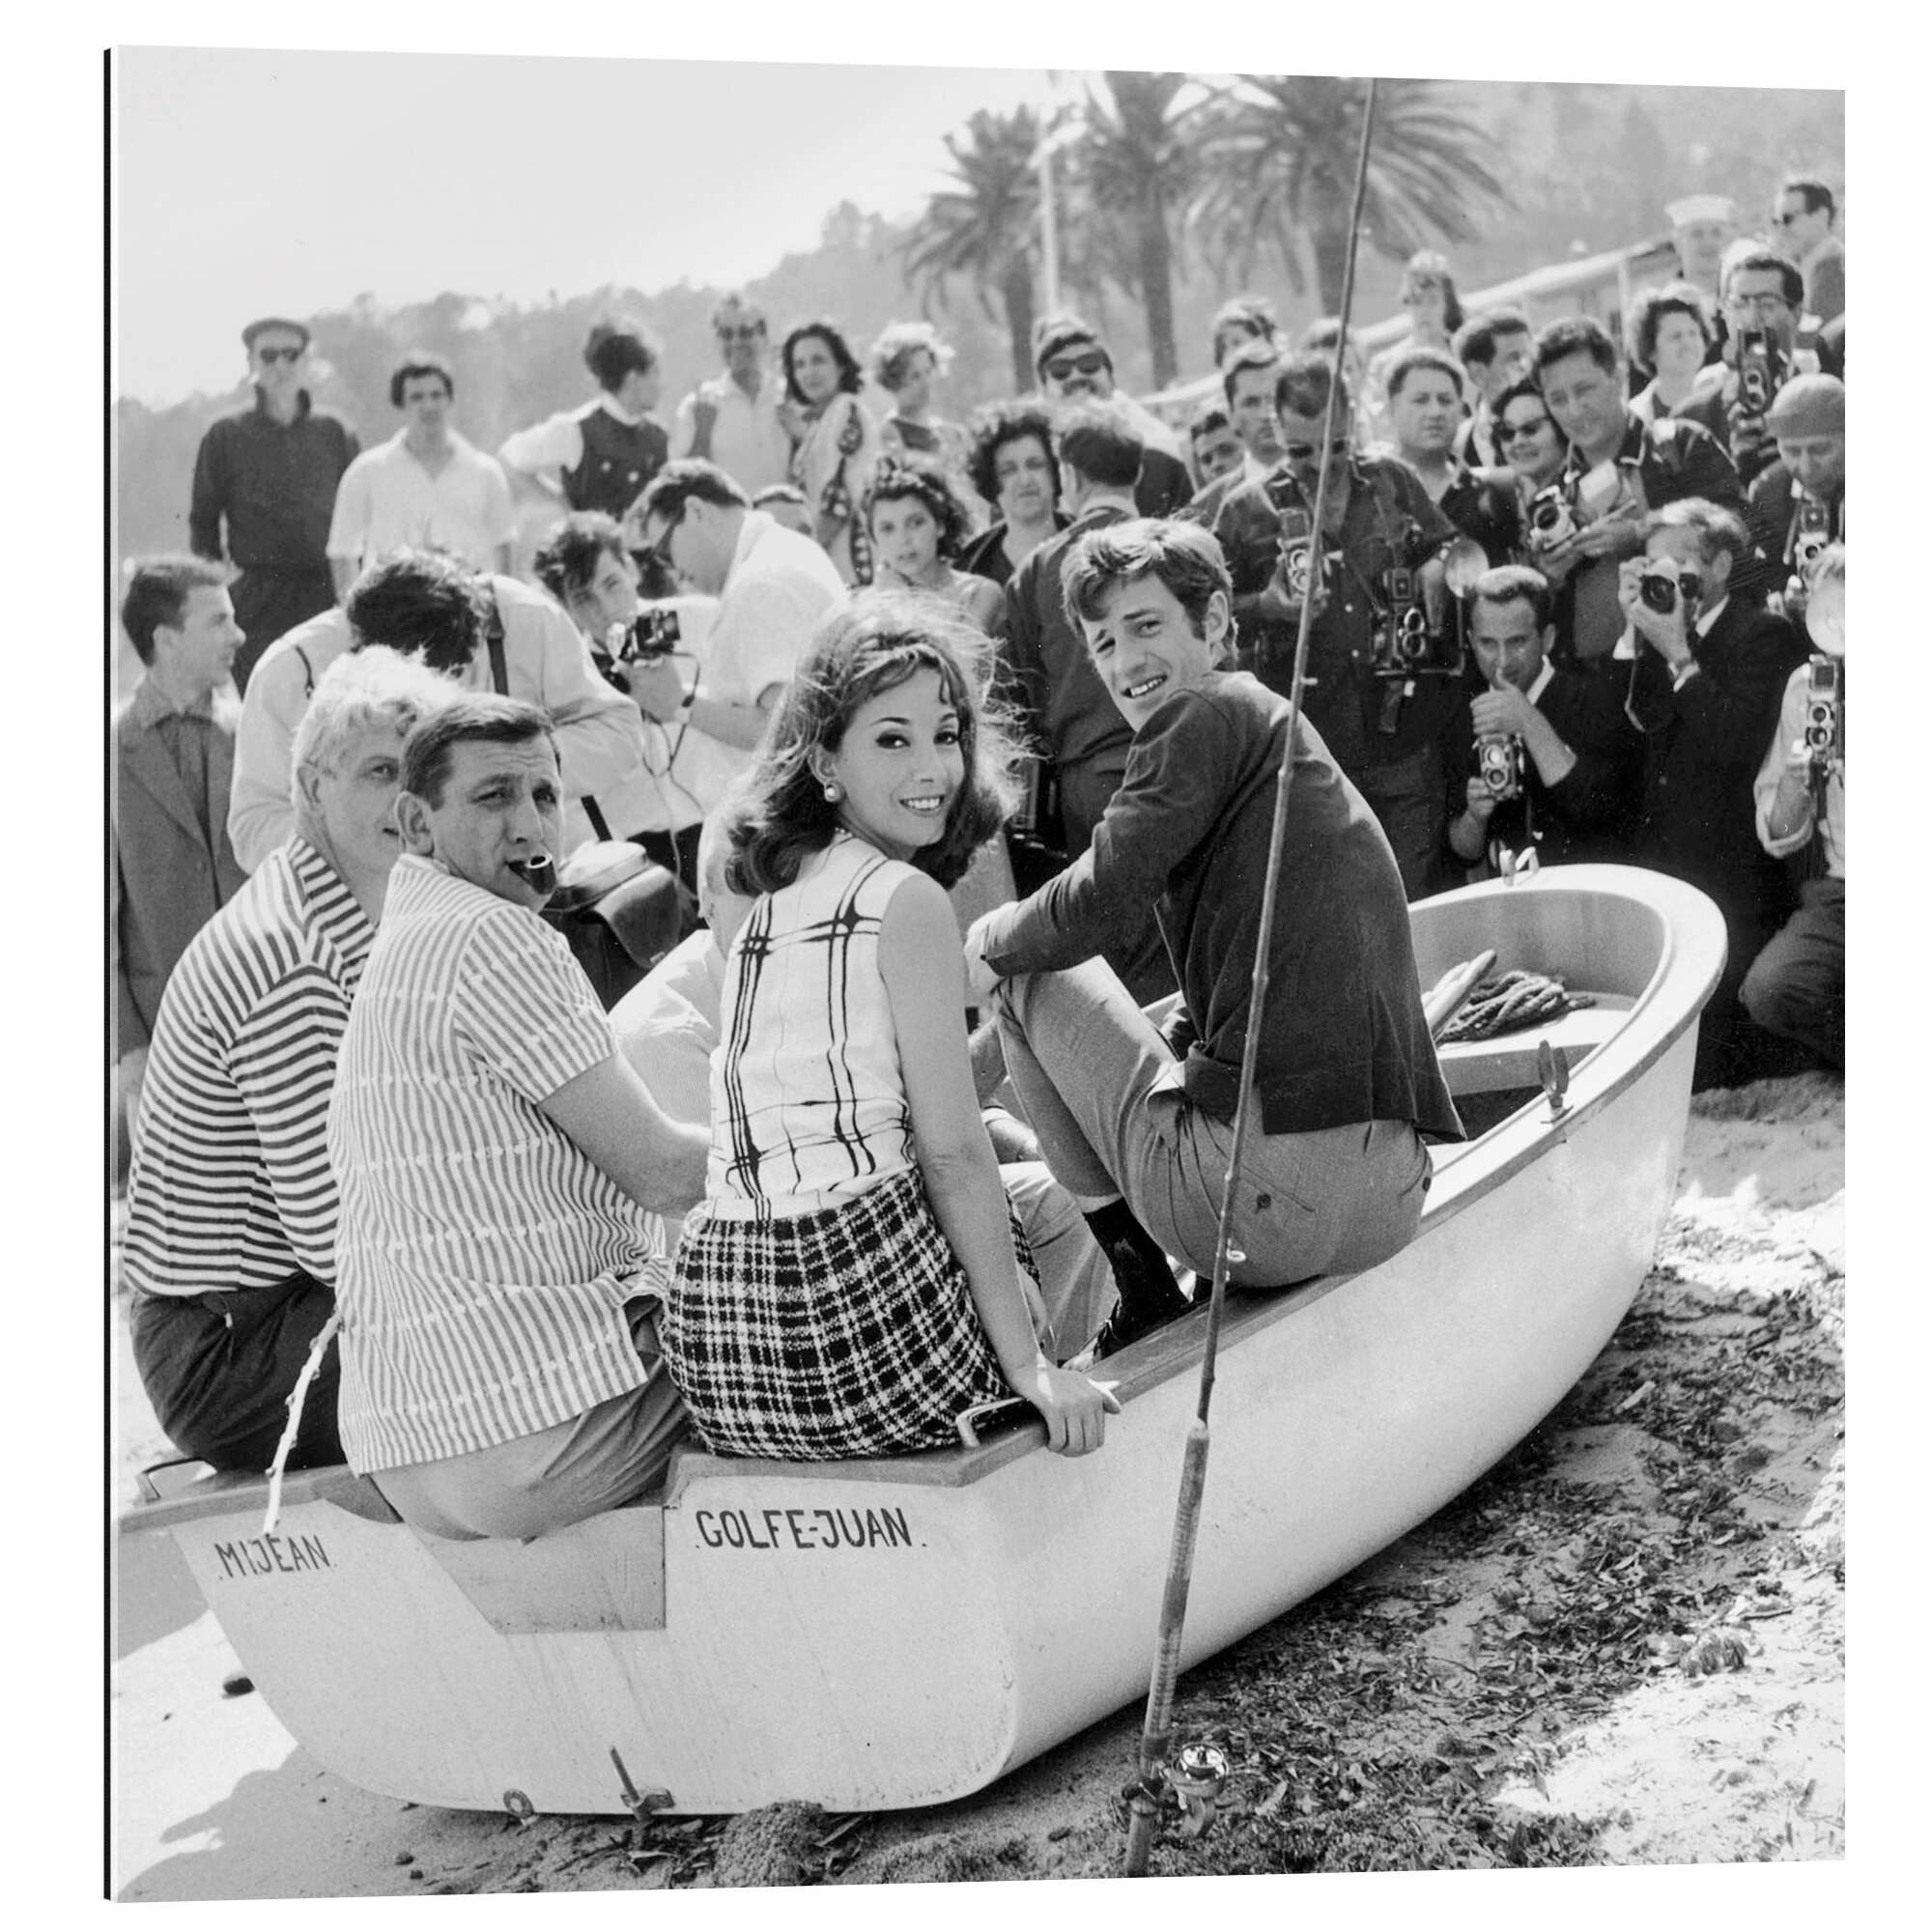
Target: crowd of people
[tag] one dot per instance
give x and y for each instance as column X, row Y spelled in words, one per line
column 934, row 723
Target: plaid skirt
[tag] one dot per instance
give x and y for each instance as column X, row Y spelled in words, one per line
column 850, row 1332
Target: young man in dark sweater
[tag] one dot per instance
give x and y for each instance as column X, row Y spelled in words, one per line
column 1137, row 1123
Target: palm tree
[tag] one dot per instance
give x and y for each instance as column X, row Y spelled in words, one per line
column 1279, row 157
column 1138, row 166
column 985, row 227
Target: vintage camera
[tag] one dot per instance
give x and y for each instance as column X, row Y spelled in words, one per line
column 1500, row 766
column 1550, row 519
column 1298, row 569
column 1811, row 538
column 1404, row 644
column 1760, row 371
column 1825, row 713
column 1660, row 588
column 653, row 633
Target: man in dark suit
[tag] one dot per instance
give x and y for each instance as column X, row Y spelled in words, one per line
column 1707, row 676
column 1541, row 759
column 174, row 757
column 1081, row 735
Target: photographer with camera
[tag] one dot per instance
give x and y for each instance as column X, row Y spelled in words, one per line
column 1796, row 986
column 1707, row 674
column 484, row 631
column 772, row 585
column 1619, row 468
column 1381, row 648
column 1765, row 346
column 1798, row 503
column 586, row 565
column 1543, row 759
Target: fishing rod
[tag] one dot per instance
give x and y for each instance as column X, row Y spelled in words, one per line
column 1157, row 1729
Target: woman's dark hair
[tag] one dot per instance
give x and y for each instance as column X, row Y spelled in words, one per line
column 995, row 426
column 1647, row 313
column 898, row 477
column 611, row 353
column 778, row 814
column 851, row 376
column 420, row 362
column 1426, row 264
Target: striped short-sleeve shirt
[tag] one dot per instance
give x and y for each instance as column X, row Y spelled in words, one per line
column 230, row 1186
column 483, row 1259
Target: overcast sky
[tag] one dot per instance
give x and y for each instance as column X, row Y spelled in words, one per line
column 319, row 176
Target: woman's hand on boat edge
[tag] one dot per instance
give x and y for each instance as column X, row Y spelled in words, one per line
column 1074, row 1407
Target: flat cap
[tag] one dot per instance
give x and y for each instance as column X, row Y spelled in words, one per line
column 264, row 322
column 1808, row 406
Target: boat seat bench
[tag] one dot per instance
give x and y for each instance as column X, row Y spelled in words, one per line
column 1509, row 1060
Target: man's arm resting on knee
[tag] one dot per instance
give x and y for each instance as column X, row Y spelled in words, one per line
column 610, row 1113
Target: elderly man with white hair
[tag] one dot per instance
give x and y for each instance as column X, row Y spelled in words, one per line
column 231, row 1204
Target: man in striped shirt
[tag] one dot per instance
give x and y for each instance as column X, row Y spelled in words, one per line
column 501, row 1170
column 231, row 1207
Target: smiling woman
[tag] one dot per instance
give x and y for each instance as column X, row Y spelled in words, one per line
column 855, row 1277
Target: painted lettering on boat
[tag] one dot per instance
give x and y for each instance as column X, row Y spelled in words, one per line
column 802, row 1529
column 265, row 1555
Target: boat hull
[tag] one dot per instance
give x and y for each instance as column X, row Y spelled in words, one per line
column 901, row 1633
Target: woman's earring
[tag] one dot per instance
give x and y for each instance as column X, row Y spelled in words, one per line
column 831, row 792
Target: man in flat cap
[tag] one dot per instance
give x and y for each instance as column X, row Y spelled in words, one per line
column 1798, row 502
column 268, row 474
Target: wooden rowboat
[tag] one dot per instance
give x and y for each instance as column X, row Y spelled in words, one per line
column 898, row 1633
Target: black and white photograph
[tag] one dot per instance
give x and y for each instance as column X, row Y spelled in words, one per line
column 976, row 967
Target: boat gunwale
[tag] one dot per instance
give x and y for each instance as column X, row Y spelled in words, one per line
column 1609, row 1069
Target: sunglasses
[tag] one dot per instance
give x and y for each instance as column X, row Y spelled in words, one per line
column 658, row 552
column 1791, row 220
column 741, row 332
column 1301, row 452
column 1514, row 432
column 1064, row 366
column 290, row 355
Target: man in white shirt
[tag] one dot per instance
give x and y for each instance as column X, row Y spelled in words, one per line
column 584, row 563
column 772, row 588
column 431, row 608
column 425, row 487
column 733, row 420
